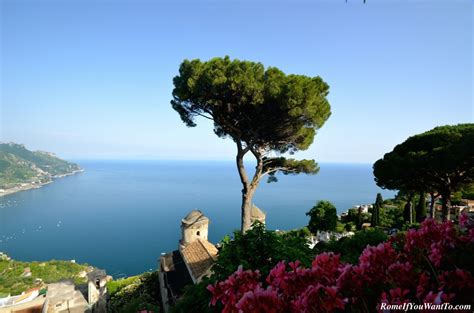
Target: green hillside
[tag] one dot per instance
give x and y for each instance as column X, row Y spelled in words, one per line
column 16, row 276
column 19, row 165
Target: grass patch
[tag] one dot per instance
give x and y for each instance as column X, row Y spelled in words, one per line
column 12, row 280
column 114, row 286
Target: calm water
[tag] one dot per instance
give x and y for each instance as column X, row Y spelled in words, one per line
column 120, row 215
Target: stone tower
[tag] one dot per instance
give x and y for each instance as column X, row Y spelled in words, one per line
column 194, row 226
column 257, row 214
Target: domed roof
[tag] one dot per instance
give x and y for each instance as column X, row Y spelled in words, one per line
column 256, row 212
column 193, row 217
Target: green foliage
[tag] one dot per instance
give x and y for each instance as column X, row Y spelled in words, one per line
column 257, row 248
column 440, row 160
column 339, row 227
column 13, row 170
column 467, row 191
column 288, row 167
column 350, row 248
column 323, row 217
column 136, row 293
column 196, row 298
column 349, row 226
column 408, row 226
column 456, row 197
column 261, row 249
column 379, row 200
column 12, row 282
column 352, row 216
column 250, row 103
column 114, row 286
column 391, row 216
column 357, row 218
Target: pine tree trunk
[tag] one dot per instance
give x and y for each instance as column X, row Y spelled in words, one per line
column 445, row 208
column 246, row 197
column 432, row 203
column 248, row 187
column 407, row 211
column 421, row 208
column 246, row 210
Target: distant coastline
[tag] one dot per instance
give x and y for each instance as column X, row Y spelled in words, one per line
column 35, row 185
column 22, row 169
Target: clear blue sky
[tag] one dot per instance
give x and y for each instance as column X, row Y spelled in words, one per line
column 93, row 79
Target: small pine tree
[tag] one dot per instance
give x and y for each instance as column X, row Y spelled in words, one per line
column 379, row 202
column 359, row 218
column 376, row 210
column 373, row 220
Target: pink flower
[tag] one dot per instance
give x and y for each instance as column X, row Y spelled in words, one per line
column 318, row 298
column 233, row 288
column 424, row 284
column 260, row 300
column 463, row 220
column 457, row 279
column 401, row 274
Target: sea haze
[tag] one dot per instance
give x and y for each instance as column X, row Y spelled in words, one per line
column 120, row 215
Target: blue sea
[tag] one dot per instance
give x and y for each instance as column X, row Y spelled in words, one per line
column 121, row 215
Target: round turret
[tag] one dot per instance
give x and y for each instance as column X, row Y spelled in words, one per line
column 257, row 214
column 194, row 226
column 193, row 217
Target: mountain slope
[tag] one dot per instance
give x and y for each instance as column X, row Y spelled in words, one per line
column 19, row 165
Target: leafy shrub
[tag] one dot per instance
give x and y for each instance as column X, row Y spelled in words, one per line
column 133, row 294
column 114, row 286
column 261, row 249
column 257, row 249
column 350, row 248
column 323, row 216
column 391, row 216
column 196, row 298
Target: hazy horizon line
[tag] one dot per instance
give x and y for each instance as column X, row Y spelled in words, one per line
column 111, row 159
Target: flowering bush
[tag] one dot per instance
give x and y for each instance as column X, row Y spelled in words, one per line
column 432, row 264
column 258, row 248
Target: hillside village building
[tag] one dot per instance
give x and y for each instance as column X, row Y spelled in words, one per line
column 193, row 259
column 466, row 206
column 62, row 297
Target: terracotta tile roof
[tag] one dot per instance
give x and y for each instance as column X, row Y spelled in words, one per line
column 176, row 275
column 199, row 257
